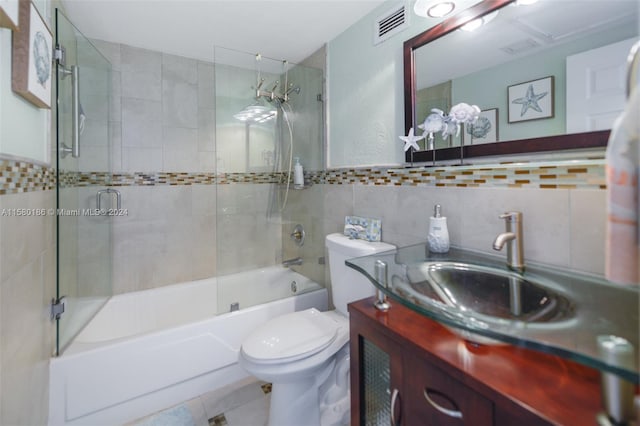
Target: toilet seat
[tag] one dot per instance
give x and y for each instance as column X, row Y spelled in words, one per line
column 290, row 337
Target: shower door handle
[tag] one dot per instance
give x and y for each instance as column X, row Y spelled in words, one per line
column 75, row 111
column 108, row 191
column 74, row 150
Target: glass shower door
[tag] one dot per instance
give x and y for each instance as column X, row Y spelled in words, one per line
column 83, row 168
column 257, row 138
column 247, row 236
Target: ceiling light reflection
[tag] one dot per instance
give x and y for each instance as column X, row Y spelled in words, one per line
column 255, row 114
column 477, row 23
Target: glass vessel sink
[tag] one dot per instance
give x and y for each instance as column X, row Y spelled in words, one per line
column 476, row 296
column 489, row 292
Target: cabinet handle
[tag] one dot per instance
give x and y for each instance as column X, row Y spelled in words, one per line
column 451, row 413
column 394, row 398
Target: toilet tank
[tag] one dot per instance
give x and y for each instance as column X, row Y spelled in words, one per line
column 347, row 284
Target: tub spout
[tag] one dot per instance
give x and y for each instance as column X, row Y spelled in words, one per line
column 291, row 262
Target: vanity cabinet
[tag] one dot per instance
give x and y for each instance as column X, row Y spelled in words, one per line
column 407, row 369
column 433, row 397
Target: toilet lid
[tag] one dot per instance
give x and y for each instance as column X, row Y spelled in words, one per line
column 291, row 336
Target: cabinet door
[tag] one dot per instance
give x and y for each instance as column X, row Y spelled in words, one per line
column 432, row 397
column 376, row 385
column 376, row 376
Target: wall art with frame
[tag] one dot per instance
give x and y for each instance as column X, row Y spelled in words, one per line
column 485, row 129
column 32, row 57
column 531, row 100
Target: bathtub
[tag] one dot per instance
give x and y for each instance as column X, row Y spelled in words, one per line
column 149, row 350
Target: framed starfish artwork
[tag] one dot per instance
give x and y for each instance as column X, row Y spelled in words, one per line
column 531, row 100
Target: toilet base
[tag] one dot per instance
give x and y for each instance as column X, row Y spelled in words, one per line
column 319, row 400
column 335, row 395
column 296, row 403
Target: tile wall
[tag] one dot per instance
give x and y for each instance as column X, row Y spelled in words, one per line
column 306, row 207
column 163, row 128
column 27, row 249
column 27, row 285
column 174, row 221
column 162, row 111
column 162, row 121
column 562, row 227
column 170, row 217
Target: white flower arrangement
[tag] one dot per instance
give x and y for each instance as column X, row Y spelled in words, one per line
column 449, row 124
column 464, row 113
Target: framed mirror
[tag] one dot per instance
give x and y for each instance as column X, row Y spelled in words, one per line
column 546, row 76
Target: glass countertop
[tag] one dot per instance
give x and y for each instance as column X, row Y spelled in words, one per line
column 575, row 316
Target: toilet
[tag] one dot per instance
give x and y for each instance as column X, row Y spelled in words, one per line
column 305, row 354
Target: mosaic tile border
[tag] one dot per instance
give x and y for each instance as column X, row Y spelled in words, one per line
column 81, row 179
column 588, row 174
column 18, row 176
column 22, row 176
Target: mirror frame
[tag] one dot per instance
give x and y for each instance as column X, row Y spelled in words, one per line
column 534, row 145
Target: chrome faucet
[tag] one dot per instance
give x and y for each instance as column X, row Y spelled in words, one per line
column 291, row 262
column 513, row 239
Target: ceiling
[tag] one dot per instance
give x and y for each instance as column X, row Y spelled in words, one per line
column 279, row 29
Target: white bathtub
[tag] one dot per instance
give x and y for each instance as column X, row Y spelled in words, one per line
column 148, row 350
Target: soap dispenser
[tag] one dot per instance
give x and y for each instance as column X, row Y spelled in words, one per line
column 298, row 174
column 438, row 237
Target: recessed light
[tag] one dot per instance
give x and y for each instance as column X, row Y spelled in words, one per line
column 433, row 9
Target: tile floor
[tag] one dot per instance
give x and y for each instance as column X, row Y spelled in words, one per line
column 244, row 403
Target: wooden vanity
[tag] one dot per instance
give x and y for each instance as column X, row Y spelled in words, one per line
column 407, row 369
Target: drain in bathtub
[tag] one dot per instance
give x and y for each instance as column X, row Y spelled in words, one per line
column 294, row 287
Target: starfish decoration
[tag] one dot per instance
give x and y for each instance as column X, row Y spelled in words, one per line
column 411, row 140
column 530, row 100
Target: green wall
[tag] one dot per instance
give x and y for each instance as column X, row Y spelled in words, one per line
column 365, row 92
column 492, row 93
